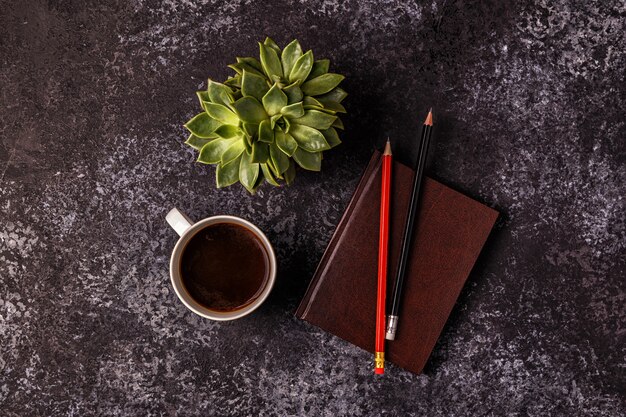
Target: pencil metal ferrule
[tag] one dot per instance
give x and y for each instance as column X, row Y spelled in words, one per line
column 392, row 326
column 379, row 360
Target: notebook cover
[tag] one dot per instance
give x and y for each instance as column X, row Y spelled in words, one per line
column 450, row 232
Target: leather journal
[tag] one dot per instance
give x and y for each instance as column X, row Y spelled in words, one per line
column 449, row 235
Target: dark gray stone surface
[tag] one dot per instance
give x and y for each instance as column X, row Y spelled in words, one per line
column 529, row 103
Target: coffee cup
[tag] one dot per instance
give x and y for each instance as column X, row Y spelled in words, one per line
column 222, row 267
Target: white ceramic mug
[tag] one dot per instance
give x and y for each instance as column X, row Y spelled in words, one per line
column 187, row 229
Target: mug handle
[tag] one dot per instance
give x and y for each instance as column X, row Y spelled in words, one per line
column 179, row 222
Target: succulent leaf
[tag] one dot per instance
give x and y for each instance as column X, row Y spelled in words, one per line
column 240, row 67
column 337, row 94
column 236, row 94
column 290, row 173
column 203, row 96
column 333, row 106
column 279, row 158
column 221, row 113
column 211, row 153
column 272, row 167
column 301, row 68
column 274, row 119
column 323, row 109
column 311, row 161
column 234, row 82
column 316, row 119
column 236, row 67
column 320, row 67
column 270, row 62
column 294, row 93
column 227, row 174
column 286, row 143
column 220, row 93
column 248, row 172
column 310, row 102
column 331, row 136
column 250, row 110
column 253, row 62
column 338, row 124
column 274, row 100
column 247, row 142
column 202, row 125
column 260, row 152
column 293, row 110
column 268, row 175
column 232, row 152
column 250, row 129
column 266, row 134
column 270, row 42
column 257, row 184
column 308, row 138
column 322, row 84
column 290, row 55
column 197, row 142
column 253, row 85
column 227, row 131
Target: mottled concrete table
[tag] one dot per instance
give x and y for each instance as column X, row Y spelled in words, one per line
column 529, row 102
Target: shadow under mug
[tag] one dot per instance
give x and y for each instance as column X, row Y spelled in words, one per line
column 187, row 229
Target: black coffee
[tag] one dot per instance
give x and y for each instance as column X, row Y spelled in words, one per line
column 225, row 267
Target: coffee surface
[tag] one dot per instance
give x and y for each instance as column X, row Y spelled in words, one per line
column 225, row 267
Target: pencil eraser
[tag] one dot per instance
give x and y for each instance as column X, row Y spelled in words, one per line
column 379, row 370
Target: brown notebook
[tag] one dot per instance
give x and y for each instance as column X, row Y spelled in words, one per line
column 450, row 232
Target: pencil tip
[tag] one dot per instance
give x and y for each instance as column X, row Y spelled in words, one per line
column 429, row 118
column 387, row 148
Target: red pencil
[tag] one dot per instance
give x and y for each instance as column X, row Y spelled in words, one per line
column 385, row 189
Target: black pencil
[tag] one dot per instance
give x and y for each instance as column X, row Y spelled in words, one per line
column 393, row 316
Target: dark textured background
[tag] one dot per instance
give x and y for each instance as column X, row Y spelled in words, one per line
column 529, row 103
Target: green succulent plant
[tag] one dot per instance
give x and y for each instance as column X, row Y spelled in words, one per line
column 271, row 115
